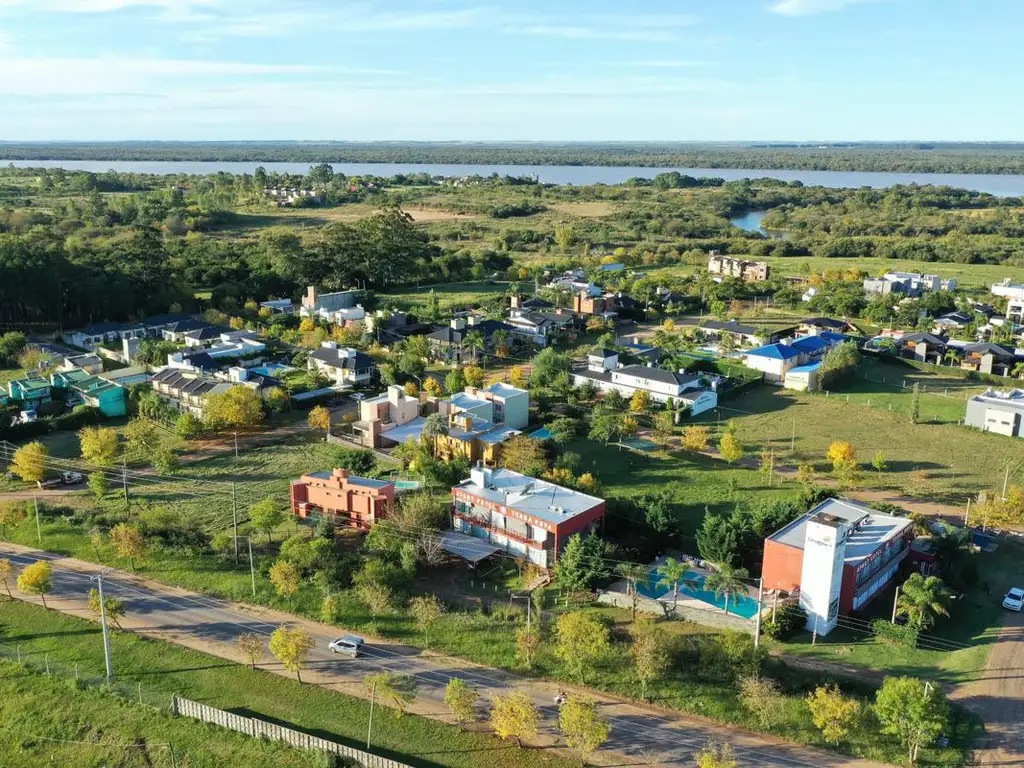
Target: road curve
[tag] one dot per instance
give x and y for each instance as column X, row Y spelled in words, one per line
column 638, row 734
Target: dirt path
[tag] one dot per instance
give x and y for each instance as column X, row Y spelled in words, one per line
column 998, row 697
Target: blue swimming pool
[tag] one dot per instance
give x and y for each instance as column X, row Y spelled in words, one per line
column 270, row 369
column 542, row 434
column 740, row 606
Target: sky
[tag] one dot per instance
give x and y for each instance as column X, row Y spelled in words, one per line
column 497, row 70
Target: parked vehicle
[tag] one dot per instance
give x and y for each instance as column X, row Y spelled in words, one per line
column 64, row 478
column 27, row 417
column 347, row 645
column 1014, row 600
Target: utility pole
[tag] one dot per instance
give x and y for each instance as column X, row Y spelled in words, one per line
column 895, row 600
column 234, row 519
column 106, row 631
column 236, row 445
column 1006, row 481
column 814, row 636
column 124, row 483
column 39, row 530
column 252, row 567
column 369, row 726
column 967, row 514
column 760, row 606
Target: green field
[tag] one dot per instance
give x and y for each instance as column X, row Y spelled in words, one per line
column 163, row 669
column 52, row 721
column 449, row 296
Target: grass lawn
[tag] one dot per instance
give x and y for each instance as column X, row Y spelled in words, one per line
column 164, row 669
column 457, row 295
column 52, row 721
column 697, row 484
column 956, row 461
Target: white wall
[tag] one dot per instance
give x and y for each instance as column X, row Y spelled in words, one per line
column 821, row 578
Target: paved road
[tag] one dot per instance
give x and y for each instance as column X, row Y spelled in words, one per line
column 638, row 734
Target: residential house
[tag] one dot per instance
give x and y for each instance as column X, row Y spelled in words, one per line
column 30, row 393
column 803, row 378
column 1009, row 289
column 535, row 302
column 777, row 361
column 985, row 357
column 725, row 266
column 924, row 347
column 1015, row 310
column 541, row 328
column 279, row 306
column 604, row 306
column 127, row 376
column 231, row 347
column 773, row 360
column 82, row 388
column 742, row 335
column 178, row 332
column 345, row 366
column 838, row 555
column 90, row 363
column 910, row 284
column 348, row 501
column 449, row 342
column 389, row 419
column 98, row 334
column 602, row 370
column 999, row 411
column 952, row 321
column 637, row 349
column 315, row 304
column 480, row 421
column 186, row 391
column 811, row 326
column 522, row 515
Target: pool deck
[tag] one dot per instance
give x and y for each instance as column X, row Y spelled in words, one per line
column 689, row 607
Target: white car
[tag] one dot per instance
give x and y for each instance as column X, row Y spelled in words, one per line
column 349, row 645
column 1014, row 600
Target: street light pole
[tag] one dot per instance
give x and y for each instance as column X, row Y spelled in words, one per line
column 252, row 567
column 760, row 607
column 106, row 630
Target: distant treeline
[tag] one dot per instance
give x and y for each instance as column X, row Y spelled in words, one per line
column 912, row 158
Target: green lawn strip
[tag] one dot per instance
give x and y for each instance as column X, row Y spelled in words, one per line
column 163, row 668
column 48, row 720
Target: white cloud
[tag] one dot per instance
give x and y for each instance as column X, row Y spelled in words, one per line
column 811, row 7
column 101, row 6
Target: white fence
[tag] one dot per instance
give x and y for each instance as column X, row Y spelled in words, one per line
column 261, row 729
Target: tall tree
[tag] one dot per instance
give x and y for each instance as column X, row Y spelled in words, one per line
column 36, row 579
column 582, row 726
column 673, row 573
column 291, row 646
column 514, row 716
column 911, row 710
column 635, row 574
column 922, row 600
column 727, row 582
column 29, row 462
column 128, row 542
column 580, row 642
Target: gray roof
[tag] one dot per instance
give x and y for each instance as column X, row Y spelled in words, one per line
column 657, row 374
column 927, row 338
column 732, row 326
column 467, row 547
column 331, row 356
column 985, row 348
column 1011, row 399
column 872, row 529
column 513, row 490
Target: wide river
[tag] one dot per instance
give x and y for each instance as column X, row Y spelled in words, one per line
column 557, row 174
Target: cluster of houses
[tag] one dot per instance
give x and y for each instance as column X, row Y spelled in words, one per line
column 79, row 380
column 907, row 284
column 741, row 269
column 283, row 197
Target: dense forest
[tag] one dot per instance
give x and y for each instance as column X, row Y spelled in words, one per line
column 78, row 247
column 910, row 158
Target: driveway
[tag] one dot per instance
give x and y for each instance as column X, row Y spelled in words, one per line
column 997, row 696
column 638, row 734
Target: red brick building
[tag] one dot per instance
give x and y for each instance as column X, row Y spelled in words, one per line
column 522, row 516
column 351, row 501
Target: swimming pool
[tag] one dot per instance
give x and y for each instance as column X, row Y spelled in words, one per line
column 271, row 369
column 406, row 485
column 542, row 434
column 739, row 606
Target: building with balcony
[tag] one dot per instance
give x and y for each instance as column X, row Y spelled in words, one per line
column 838, row 556
column 604, row 372
column 347, row 500
column 481, row 420
column 522, row 516
column 389, row 419
column 751, row 271
column 344, row 366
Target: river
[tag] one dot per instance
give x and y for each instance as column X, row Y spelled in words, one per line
column 1001, row 185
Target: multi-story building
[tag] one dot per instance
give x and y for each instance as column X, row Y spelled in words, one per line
column 521, row 515
column 726, row 266
column 347, row 500
column 999, row 411
column 315, row 304
column 449, row 343
column 911, row 284
column 389, row 418
column 603, row 306
column 481, row 420
column 838, row 555
column 186, row 391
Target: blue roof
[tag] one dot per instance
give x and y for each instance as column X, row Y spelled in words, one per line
column 775, row 352
column 832, row 336
column 810, row 368
column 810, row 344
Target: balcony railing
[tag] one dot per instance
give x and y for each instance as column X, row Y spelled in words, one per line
column 869, row 577
column 486, row 524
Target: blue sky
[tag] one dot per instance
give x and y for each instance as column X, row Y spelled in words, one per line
column 686, row 70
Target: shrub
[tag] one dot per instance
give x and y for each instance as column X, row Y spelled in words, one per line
column 894, row 634
column 789, row 619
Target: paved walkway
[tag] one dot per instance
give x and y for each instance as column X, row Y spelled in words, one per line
column 638, row 734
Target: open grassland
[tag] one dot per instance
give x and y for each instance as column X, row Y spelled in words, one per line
column 931, row 460
column 586, row 210
column 164, row 669
column 50, row 721
column 449, row 295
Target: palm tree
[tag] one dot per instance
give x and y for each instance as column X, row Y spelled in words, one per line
column 476, row 343
column 500, row 340
column 922, row 599
column 634, row 574
column 433, row 427
column 952, row 356
column 673, row 572
column 727, row 581
column 1018, row 371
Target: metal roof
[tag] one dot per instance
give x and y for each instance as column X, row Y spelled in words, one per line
column 530, row 496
